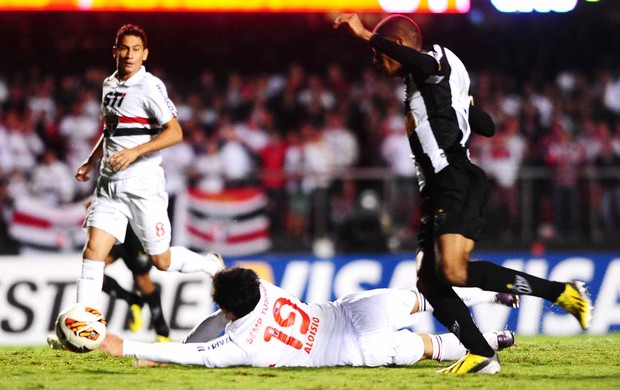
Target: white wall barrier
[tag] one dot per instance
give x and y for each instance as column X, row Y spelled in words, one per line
column 34, row 288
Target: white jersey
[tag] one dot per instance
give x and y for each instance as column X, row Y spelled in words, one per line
column 282, row 331
column 358, row 329
column 133, row 113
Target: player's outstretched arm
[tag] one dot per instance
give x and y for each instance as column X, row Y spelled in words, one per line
column 178, row 353
column 353, row 22
column 112, row 345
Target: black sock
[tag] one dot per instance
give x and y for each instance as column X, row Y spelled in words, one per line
column 115, row 291
column 450, row 310
column 492, row 277
column 157, row 314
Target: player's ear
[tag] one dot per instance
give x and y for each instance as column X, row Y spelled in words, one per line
column 145, row 55
column 114, row 51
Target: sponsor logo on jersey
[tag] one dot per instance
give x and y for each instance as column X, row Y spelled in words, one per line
column 215, row 344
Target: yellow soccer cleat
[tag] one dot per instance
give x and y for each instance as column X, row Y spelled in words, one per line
column 575, row 300
column 136, row 317
column 471, row 363
column 162, row 339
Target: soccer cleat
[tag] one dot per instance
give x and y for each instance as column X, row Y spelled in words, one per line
column 506, row 299
column 136, row 317
column 217, row 263
column 54, row 342
column 575, row 300
column 160, row 338
column 471, row 363
column 505, row 339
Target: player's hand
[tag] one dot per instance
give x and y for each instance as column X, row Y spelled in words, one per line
column 355, row 25
column 83, row 171
column 121, row 160
column 112, row 345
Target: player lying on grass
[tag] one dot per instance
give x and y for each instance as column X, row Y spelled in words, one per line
column 265, row 326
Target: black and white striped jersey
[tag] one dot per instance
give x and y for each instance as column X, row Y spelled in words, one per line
column 437, row 103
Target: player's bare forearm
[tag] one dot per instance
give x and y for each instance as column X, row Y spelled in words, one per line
column 171, row 134
column 86, row 167
column 97, row 151
column 353, row 22
column 112, row 345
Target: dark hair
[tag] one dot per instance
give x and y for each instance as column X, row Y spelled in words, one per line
column 236, row 290
column 396, row 26
column 130, row 29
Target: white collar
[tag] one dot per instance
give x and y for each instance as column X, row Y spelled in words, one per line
column 139, row 75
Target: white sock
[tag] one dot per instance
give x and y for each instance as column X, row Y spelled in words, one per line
column 473, row 296
column 186, row 261
column 423, row 304
column 491, row 338
column 447, row 346
column 90, row 282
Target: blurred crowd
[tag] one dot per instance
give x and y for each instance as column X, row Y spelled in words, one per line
column 301, row 136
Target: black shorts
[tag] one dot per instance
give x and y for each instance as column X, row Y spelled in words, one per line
column 132, row 253
column 453, row 202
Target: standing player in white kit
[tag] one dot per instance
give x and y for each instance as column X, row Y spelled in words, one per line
column 265, row 326
column 139, row 121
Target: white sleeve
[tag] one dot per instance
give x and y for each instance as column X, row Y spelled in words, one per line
column 158, row 103
column 163, row 352
column 220, row 352
column 473, row 296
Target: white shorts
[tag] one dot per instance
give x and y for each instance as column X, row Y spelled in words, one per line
column 377, row 317
column 141, row 201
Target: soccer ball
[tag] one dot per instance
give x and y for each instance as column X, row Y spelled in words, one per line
column 80, row 328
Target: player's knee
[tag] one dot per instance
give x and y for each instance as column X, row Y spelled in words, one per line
column 454, row 274
column 93, row 253
column 160, row 265
column 161, row 262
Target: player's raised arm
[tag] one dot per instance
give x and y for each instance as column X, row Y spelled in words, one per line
column 390, row 39
column 353, row 22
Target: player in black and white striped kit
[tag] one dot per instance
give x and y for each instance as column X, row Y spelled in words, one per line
column 453, row 189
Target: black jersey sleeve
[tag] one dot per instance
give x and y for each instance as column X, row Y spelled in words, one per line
column 415, row 61
column 481, row 122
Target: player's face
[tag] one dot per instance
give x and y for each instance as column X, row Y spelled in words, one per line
column 386, row 65
column 130, row 54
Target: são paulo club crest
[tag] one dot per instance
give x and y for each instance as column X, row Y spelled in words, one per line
column 111, row 122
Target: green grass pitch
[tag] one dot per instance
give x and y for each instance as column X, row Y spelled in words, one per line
column 541, row 362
